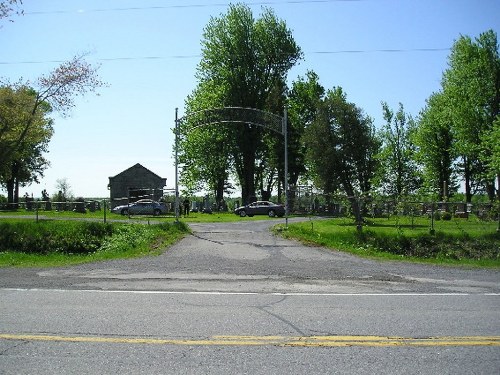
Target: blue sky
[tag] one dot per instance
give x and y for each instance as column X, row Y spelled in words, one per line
column 376, row 50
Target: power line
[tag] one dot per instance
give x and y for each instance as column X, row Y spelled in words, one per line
column 182, row 6
column 380, row 51
column 136, row 58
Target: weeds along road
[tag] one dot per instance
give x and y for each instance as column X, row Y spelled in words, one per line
column 233, row 298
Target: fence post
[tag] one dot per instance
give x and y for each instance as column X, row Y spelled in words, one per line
column 104, row 209
column 359, row 220
column 432, row 219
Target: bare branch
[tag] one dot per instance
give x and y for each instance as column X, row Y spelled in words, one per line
column 69, row 80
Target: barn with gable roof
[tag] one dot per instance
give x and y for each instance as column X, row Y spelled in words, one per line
column 134, row 183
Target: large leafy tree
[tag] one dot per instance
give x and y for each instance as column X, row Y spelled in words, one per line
column 26, row 161
column 341, row 148
column 399, row 173
column 246, row 61
column 304, row 99
column 435, row 141
column 471, row 85
column 204, row 152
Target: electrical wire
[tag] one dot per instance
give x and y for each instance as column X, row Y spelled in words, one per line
column 132, row 58
column 180, row 6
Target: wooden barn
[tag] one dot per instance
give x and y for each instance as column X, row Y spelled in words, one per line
column 134, row 183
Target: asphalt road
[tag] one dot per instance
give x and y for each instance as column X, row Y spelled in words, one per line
column 232, row 298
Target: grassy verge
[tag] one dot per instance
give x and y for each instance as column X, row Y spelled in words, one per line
column 58, row 243
column 193, row 217
column 455, row 242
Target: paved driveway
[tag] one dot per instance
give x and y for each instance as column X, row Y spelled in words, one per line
column 245, row 257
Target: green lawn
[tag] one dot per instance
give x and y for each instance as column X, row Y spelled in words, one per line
column 193, row 217
column 457, row 242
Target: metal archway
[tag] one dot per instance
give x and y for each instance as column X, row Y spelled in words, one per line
column 237, row 115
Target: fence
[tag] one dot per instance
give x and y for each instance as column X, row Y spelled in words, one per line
column 342, row 206
column 38, row 206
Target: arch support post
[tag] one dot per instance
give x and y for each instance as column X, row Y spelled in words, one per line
column 285, row 134
column 176, row 208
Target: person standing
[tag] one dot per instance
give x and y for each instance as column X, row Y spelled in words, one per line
column 186, row 207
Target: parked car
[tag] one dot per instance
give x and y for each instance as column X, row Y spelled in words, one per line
column 261, row 208
column 141, row 207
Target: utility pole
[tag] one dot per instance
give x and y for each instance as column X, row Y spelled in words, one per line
column 176, row 166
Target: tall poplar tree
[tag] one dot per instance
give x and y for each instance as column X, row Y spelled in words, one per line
column 472, row 87
column 436, row 150
column 246, row 61
column 399, row 173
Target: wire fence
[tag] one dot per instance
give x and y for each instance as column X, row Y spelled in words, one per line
column 406, row 211
column 37, row 207
column 403, row 211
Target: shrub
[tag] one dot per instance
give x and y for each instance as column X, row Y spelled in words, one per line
column 47, row 236
column 439, row 245
column 446, row 216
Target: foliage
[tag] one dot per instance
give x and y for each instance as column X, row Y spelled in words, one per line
column 459, row 241
column 492, row 144
column 398, row 173
column 304, row 100
column 472, row 89
column 63, row 190
column 22, row 148
column 55, row 243
column 244, row 64
column 435, row 142
column 334, row 156
column 49, row 236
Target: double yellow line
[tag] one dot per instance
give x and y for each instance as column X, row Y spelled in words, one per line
column 292, row 341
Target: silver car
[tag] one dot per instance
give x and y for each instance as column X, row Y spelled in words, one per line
column 141, row 207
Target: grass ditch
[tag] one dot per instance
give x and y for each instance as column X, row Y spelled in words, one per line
column 56, row 243
column 454, row 242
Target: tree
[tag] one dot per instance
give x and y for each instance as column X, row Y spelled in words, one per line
column 399, row 173
column 341, row 147
column 57, row 91
column 436, row 149
column 492, row 143
column 26, row 163
column 63, row 190
column 304, row 99
column 246, row 60
column 472, row 87
column 204, row 153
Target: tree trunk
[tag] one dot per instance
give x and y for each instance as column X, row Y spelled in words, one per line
column 468, row 190
column 356, row 209
column 219, row 193
column 249, row 151
column 10, row 190
column 248, row 186
column 490, row 190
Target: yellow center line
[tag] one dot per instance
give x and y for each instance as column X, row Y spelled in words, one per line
column 305, row 341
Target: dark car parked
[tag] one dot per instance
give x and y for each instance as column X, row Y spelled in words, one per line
column 261, row 208
column 141, row 207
